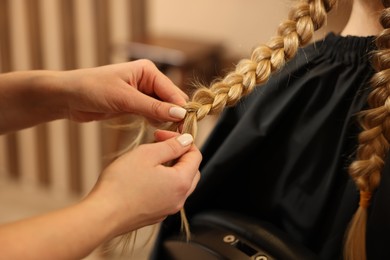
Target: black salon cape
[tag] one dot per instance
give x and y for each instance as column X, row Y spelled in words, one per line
column 282, row 153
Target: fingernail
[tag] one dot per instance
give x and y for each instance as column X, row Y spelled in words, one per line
column 185, row 139
column 177, row 112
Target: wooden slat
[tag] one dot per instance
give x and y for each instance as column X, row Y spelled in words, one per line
column 67, row 13
column 75, row 162
column 5, row 43
column 20, row 53
column 13, row 156
column 103, row 52
column 43, row 155
column 7, row 65
column 89, row 20
column 57, row 134
column 35, row 35
column 102, row 9
column 36, row 57
column 138, row 19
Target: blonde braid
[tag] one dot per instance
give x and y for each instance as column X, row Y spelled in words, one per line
column 373, row 142
column 306, row 17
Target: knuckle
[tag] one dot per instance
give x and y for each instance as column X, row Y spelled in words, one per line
column 178, row 206
column 142, row 150
column 183, row 187
column 146, row 63
column 174, row 148
column 200, row 156
column 156, row 107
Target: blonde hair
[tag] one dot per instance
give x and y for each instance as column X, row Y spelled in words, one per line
column 304, row 19
column 373, row 141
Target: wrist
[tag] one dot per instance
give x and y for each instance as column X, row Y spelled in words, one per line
column 30, row 98
column 113, row 219
column 49, row 94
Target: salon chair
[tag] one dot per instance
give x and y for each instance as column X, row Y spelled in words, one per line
column 224, row 235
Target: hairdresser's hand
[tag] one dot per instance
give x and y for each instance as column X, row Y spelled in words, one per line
column 134, row 191
column 141, row 190
column 33, row 97
column 134, row 87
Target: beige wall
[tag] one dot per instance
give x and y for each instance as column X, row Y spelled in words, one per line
column 238, row 24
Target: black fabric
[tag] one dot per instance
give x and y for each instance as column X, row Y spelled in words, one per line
column 281, row 155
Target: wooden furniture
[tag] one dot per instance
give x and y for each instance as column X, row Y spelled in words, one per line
column 183, row 60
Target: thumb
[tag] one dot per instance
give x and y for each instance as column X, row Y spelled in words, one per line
column 158, row 110
column 172, row 148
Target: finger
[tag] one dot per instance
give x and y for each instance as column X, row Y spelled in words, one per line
column 160, row 85
column 194, row 184
column 170, row 149
column 169, row 92
column 155, row 109
column 189, row 162
column 162, row 135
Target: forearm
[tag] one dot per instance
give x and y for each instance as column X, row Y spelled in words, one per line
column 70, row 233
column 28, row 98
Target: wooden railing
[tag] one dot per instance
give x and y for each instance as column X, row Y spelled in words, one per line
column 59, row 35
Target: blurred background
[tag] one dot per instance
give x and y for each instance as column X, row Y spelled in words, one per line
column 52, row 165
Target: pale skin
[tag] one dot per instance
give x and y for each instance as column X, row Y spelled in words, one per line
column 32, row 97
column 364, row 18
column 131, row 192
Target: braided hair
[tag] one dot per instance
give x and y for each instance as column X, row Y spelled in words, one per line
column 373, row 141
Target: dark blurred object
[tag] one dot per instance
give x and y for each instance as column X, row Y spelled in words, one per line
column 182, row 60
column 226, row 235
